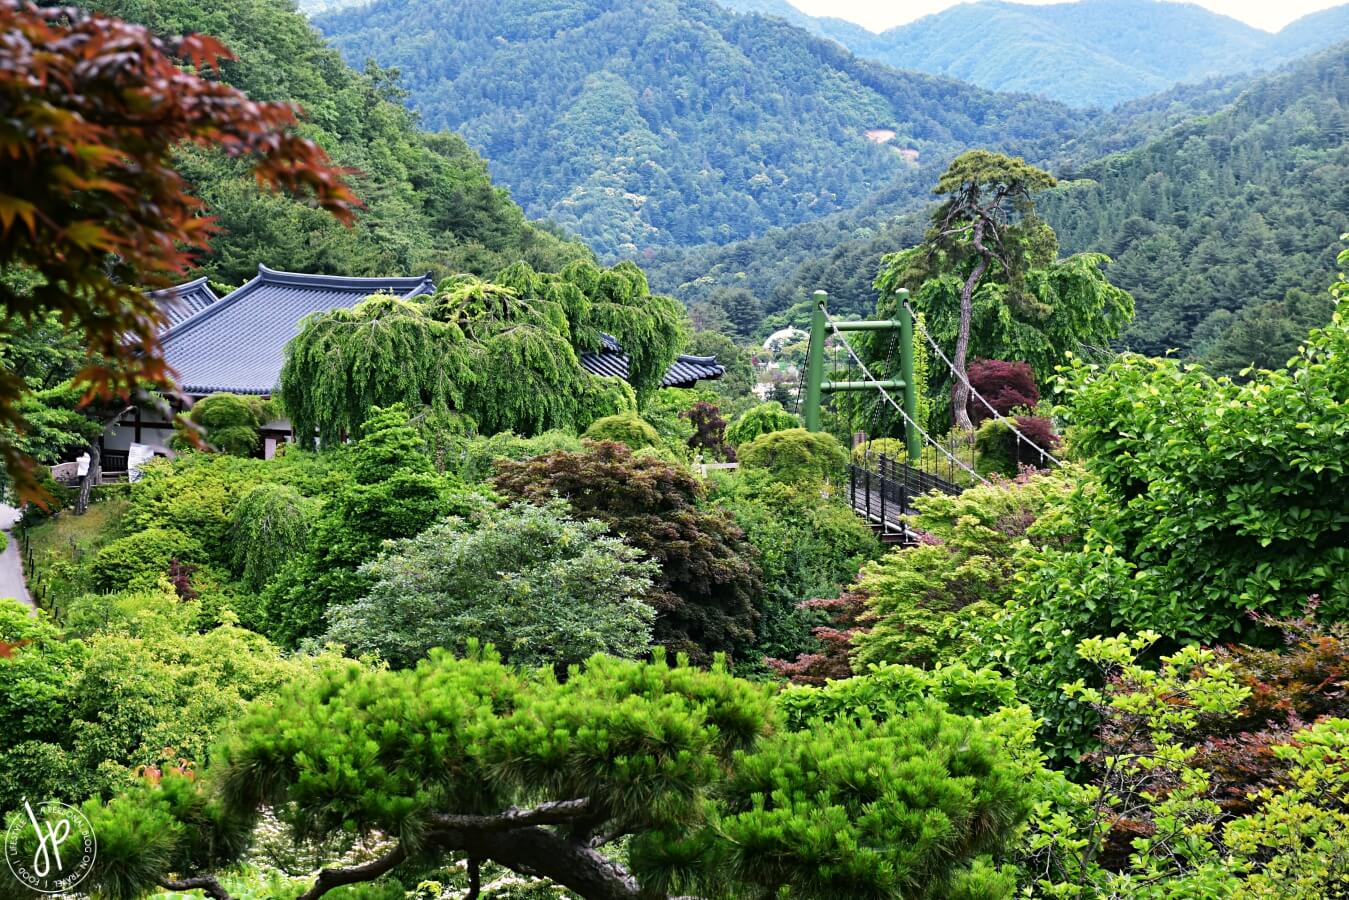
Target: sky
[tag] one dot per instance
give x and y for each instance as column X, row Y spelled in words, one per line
column 879, row 15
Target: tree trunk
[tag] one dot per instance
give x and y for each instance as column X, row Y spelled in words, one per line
column 960, row 392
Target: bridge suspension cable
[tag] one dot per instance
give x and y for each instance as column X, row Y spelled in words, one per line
column 866, row 374
column 1010, row 423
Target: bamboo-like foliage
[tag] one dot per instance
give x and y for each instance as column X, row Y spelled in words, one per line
column 505, row 353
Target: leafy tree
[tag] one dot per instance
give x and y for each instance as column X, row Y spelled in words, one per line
column 761, row 419
column 228, row 422
column 394, row 492
column 807, row 546
column 1148, row 820
column 739, row 378
column 937, row 603
column 795, row 456
column 972, row 231
column 629, row 429
column 987, row 277
column 91, row 202
column 709, row 430
column 1205, row 500
column 82, row 710
column 544, row 589
column 347, row 362
column 708, row 579
column 477, row 759
column 831, row 661
column 503, row 353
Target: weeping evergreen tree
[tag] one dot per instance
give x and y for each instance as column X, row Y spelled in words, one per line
column 270, row 525
column 505, row 353
column 381, row 352
column 649, row 326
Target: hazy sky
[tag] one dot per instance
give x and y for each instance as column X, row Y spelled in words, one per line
column 878, row 15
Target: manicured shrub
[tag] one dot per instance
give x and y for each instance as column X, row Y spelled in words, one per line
column 228, row 422
column 628, row 429
column 761, row 419
column 796, row 456
column 142, row 558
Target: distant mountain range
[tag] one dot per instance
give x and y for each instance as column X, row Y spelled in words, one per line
column 647, row 124
column 1089, row 53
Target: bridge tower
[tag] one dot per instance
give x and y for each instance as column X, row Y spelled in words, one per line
column 816, row 387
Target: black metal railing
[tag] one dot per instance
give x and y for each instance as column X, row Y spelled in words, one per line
column 913, row 478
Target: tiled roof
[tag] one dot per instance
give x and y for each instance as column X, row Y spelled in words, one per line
column 237, row 343
column 184, row 301
column 611, row 360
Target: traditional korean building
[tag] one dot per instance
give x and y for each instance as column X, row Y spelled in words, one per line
column 237, row 343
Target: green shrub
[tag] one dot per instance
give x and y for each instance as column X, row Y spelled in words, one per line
column 761, row 419
column 796, row 456
column 602, row 397
column 229, row 423
column 475, row 459
column 542, row 587
column 139, row 560
column 271, row 523
column 893, row 691
column 628, row 429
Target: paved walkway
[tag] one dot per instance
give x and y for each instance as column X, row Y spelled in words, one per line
column 11, row 569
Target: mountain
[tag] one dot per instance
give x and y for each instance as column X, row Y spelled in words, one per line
column 1223, row 212
column 1087, row 53
column 1221, row 205
column 659, row 123
column 429, row 201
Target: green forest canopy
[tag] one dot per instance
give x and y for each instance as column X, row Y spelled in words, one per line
column 430, row 203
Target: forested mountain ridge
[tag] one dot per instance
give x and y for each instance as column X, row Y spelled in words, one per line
column 1226, row 213
column 674, row 122
column 429, row 201
column 1222, row 218
column 1086, row 53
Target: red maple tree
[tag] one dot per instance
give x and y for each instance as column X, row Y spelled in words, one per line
column 91, row 109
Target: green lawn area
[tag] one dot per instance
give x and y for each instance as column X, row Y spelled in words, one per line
column 61, row 543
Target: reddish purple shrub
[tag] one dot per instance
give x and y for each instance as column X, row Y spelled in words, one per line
column 1005, row 385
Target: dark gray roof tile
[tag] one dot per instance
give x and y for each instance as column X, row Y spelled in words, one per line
column 237, row 343
column 182, row 302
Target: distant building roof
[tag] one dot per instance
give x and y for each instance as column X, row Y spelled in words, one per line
column 183, row 301
column 784, row 336
column 237, row 343
column 683, row 372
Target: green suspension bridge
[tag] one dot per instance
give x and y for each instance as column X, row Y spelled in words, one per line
column 881, row 486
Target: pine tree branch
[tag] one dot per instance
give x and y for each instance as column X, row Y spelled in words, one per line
column 368, row 871
column 556, row 812
column 205, row 883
